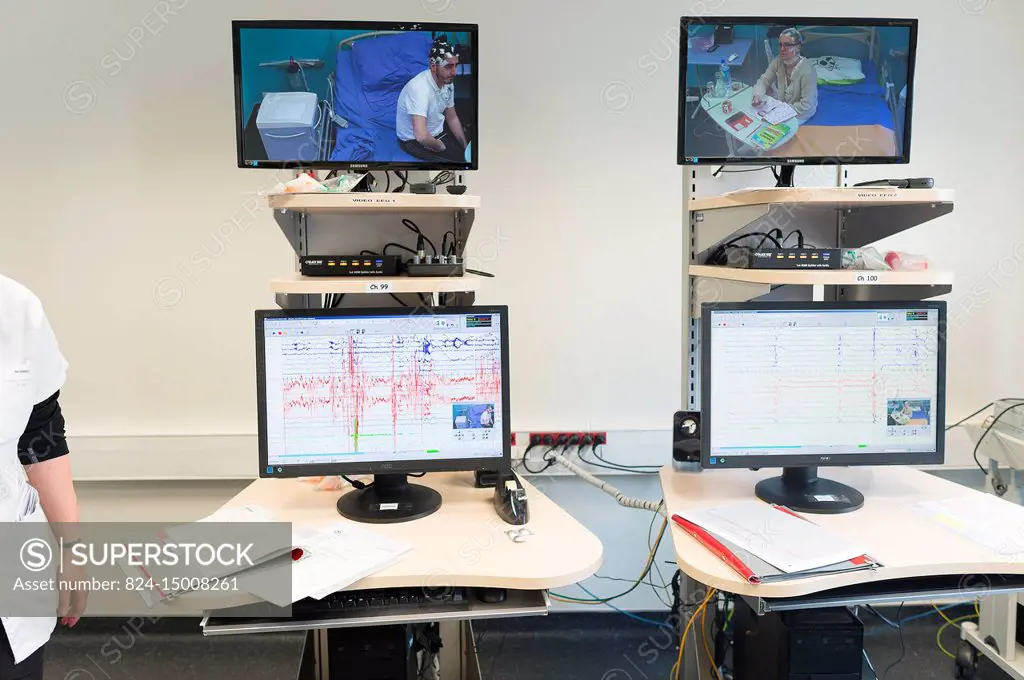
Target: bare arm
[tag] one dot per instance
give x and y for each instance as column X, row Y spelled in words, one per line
column 456, row 125
column 419, row 128
column 52, row 479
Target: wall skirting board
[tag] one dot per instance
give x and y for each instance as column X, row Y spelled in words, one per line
column 234, row 456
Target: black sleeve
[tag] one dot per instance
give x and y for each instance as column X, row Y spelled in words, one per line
column 44, row 437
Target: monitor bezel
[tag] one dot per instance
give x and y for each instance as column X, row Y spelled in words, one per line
column 936, row 457
column 426, row 166
column 902, row 159
column 501, row 464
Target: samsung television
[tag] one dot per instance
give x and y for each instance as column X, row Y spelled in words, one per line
column 356, row 95
column 795, row 90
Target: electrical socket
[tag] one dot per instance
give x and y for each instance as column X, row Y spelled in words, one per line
column 560, row 439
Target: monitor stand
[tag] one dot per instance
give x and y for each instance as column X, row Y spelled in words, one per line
column 785, row 176
column 391, row 498
column 800, row 489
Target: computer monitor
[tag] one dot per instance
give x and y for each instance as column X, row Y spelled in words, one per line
column 356, row 95
column 795, row 90
column 383, row 391
column 802, row 385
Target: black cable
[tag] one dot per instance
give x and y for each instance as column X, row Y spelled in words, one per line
column 881, row 618
column 357, row 485
column 398, row 245
column 413, row 227
column 369, row 252
column 547, row 462
column 416, row 474
column 722, row 169
column 987, row 430
column 799, row 238
column 597, row 454
column 444, row 240
column 610, row 467
column 387, row 176
column 398, row 299
column 903, row 646
column 405, row 180
column 480, row 273
column 338, row 297
column 966, row 418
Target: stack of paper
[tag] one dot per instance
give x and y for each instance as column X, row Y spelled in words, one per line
column 322, row 559
column 765, row 543
column 333, row 557
column 773, row 110
column 985, row 519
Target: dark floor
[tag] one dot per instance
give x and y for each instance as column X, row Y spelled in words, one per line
column 606, row 646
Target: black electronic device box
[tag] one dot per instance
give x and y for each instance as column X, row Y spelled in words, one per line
column 724, row 34
column 791, row 258
column 686, row 439
column 450, row 269
column 824, row 644
column 905, row 183
column 422, row 188
column 349, row 265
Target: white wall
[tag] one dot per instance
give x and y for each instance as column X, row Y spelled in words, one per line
column 127, row 216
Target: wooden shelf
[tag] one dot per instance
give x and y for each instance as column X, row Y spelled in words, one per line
column 371, row 202
column 296, row 284
column 828, row 197
column 824, row 277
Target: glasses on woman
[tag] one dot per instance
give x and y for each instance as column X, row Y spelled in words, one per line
column 789, row 45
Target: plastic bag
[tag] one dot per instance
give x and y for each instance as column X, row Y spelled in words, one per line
column 871, row 259
column 306, row 184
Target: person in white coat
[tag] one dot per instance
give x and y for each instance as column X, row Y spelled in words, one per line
column 35, row 472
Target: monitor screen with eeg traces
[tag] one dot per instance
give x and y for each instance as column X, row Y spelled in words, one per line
column 382, row 390
column 819, row 384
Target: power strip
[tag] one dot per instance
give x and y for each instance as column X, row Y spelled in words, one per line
column 435, row 269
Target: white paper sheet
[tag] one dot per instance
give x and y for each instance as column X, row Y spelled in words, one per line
column 790, row 544
column 985, row 519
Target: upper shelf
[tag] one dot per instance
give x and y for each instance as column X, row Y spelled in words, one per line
column 826, row 197
column 372, row 202
column 825, row 277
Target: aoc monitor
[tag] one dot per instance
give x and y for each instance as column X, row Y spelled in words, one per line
column 350, row 95
column 802, row 385
column 795, row 90
column 387, row 392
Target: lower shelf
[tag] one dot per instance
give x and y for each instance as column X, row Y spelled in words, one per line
column 296, row 284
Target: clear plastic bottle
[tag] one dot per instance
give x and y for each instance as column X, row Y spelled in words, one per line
column 726, row 78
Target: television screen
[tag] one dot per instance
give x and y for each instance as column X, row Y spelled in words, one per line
column 355, row 95
column 795, row 90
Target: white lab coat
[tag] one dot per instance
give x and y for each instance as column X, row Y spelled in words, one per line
column 31, row 369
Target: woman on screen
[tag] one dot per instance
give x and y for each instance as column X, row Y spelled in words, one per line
column 790, row 77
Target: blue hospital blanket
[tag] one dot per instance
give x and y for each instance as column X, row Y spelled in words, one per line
column 369, row 78
column 862, row 103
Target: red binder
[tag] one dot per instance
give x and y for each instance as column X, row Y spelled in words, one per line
column 755, row 570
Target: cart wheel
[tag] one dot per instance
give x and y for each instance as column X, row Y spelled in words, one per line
column 966, row 661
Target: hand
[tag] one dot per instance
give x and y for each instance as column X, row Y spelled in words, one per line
column 441, row 144
column 757, row 99
column 72, row 594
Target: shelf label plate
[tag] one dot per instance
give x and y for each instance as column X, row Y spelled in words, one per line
column 865, row 278
column 379, row 287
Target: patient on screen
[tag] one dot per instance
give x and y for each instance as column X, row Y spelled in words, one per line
column 790, row 77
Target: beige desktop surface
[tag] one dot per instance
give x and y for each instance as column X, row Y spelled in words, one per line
column 906, row 542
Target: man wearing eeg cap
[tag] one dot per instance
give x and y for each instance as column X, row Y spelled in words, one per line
column 790, row 77
column 427, row 124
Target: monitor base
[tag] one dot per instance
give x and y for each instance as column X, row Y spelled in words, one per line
column 801, row 490
column 390, row 499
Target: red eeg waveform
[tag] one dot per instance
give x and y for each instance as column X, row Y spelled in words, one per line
column 412, row 391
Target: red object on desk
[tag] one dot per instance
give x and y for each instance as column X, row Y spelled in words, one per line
column 716, row 547
column 297, row 554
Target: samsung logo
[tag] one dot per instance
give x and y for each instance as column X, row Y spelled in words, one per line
column 825, row 459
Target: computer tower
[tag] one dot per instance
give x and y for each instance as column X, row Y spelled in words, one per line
column 373, row 653
column 813, row 644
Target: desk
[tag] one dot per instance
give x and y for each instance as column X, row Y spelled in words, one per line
column 463, row 544
column 698, row 55
column 923, row 561
column 743, row 101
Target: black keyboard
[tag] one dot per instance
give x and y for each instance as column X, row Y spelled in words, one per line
column 379, row 600
column 354, row 604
